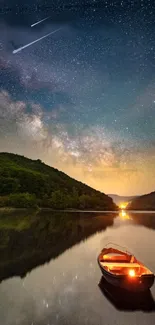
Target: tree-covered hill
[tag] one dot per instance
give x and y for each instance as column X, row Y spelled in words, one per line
column 144, row 202
column 27, row 183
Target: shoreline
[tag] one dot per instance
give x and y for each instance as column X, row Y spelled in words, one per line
column 73, row 210
column 54, row 210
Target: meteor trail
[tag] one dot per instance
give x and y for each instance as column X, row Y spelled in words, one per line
column 40, row 21
column 37, row 40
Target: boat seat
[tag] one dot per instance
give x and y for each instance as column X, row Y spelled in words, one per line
column 110, row 264
column 132, row 259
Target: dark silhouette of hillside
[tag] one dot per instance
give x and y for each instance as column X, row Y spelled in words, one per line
column 144, row 202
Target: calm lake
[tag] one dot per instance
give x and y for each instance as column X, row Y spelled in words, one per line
column 49, row 273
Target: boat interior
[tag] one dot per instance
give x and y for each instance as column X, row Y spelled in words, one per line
column 122, row 264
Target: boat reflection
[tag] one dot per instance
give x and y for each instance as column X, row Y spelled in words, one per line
column 127, row 301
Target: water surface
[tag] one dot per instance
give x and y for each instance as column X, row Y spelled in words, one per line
column 49, row 273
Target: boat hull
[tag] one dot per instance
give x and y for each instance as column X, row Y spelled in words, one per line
column 127, row 300
column 141, row 283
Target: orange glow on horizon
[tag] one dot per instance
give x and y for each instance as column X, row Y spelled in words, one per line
column 123, row 205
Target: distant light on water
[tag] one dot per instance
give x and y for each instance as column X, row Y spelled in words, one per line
column 124, row 215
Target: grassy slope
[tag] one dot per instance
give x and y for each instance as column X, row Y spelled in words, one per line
column 51, row 187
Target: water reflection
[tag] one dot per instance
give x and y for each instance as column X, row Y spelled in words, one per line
column 146, row 219
column 124, row 215
column 65, row 290
column 29, row 239
column 127, row 301
column 143, row 218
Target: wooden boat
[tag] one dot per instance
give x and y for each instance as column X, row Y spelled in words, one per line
column 121, row 268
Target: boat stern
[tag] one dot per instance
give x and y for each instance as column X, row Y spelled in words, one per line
column 142, row 283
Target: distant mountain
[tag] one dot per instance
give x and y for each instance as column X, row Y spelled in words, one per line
column 144, row 202
column 31, row 183
column 120, row 199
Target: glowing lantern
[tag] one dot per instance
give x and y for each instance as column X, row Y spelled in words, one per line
column 132, row 273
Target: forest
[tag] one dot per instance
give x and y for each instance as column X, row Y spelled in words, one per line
column 27, row 183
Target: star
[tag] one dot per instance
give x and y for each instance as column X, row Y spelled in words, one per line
column 82, row 97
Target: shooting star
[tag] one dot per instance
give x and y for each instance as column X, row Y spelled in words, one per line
column 37, row 40
column 40, row 21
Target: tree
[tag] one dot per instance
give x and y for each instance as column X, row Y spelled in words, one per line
column 8, row 185
column 22, row 200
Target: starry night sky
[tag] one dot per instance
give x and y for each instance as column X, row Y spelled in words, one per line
column 83, row 99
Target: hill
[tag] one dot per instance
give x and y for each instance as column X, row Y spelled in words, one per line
column 29, row 183
column 120, row 199
column 144, row 202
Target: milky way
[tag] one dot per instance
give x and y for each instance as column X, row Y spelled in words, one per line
column 83, row 99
